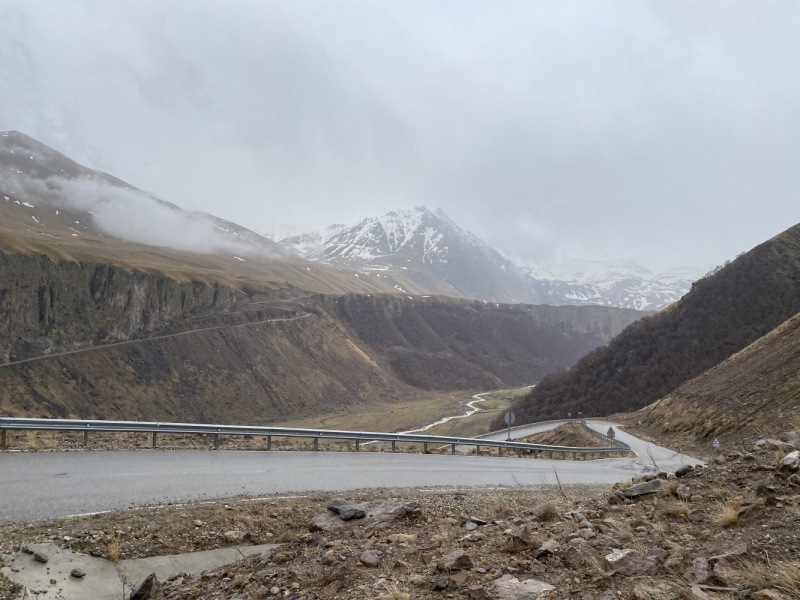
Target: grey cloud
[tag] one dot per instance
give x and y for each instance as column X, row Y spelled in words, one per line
column 666, row 132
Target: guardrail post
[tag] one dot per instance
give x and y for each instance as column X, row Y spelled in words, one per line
column 316, row 443
column 499, row 451
column 392, row 445
column 454, row 449
column 216, row 441
column 269, row 442
column 86, row 437
column 519, row 452
column 551, row 455
column 574, row 456
column 477, row 450
column 154, row 439
column 357, row 443
column 425, row 447
column 535, row 454
column 2, row 438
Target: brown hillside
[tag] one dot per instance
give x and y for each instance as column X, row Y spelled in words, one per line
column 721, row 315
column 757, row 388
column 163, row 349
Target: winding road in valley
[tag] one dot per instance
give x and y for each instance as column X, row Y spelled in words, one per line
column 41, row 486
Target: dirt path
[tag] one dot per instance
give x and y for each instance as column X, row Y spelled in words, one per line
column 150, row 339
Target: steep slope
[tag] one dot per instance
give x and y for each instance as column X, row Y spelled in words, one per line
column 722, row 314
column 610, row 283
column 428, row 244
column 94, row 341
column 755, row 392
column 51, row 205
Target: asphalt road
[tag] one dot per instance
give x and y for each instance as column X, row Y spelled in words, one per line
column 41, row 486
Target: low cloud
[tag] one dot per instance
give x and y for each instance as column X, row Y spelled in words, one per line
column 131, row 215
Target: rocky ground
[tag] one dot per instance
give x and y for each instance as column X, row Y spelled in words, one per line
column 729, row 530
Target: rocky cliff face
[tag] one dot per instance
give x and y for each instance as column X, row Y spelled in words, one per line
column 49, row 307
column 96, row 341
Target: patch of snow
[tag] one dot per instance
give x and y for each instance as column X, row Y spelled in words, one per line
column 237, row 258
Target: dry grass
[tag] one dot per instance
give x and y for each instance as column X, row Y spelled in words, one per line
column 440, row 538
column 548, row 512
column 728, row 515
column 33, row 439
column 676, row 510
column 669, row 488
column 782, row 575
column 395, row 593
column 505, row 502
column 113, row 550
column 281, row 557
column 721, row 494
column 625, row 531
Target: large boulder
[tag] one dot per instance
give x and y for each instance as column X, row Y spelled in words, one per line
column 629, row 562
column 511, row 588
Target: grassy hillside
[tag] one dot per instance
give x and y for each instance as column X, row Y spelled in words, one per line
column 721, row 315
column 756, row 392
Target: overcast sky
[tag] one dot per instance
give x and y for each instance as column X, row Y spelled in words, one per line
column 667, row 132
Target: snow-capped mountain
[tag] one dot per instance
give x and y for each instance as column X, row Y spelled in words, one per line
column 428, row 243
column 612, row 283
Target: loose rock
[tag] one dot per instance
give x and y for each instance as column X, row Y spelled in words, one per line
column 629, row 562
column 146, row 589
column 440, row 583
column 511, row 588
column 639, row 489
column 457, row 560
column 370, row 558
column 346, row 510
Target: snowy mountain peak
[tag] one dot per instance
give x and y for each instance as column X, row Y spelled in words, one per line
column 420, row 239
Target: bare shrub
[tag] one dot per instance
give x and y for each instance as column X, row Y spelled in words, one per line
column 548, row 512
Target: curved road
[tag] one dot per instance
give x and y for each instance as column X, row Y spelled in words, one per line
column 40, row 486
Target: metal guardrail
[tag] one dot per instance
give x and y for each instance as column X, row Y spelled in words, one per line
column 614, row 441
column 525, row 426
column 87, row 426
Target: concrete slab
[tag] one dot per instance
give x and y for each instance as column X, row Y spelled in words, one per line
column 101, row 582
column 134, row 571
column 104, row 581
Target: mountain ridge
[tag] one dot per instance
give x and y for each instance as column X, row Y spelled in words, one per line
column 722, row 314
column 433, row 239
